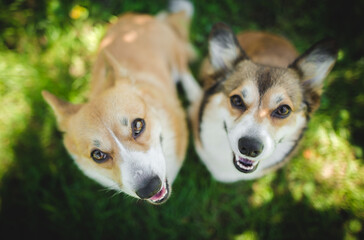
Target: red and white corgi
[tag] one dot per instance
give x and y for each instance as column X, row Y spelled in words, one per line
column 258, row 97
column 131, row 135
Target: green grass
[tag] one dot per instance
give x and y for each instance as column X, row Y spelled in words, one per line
column 318, row 195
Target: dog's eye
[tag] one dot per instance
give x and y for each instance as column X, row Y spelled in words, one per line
column 237, row 102
column 99, row 156
column 137, row 127
column 282, row 111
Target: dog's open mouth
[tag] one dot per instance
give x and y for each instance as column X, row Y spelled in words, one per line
column 245, row 165
column 161, row 196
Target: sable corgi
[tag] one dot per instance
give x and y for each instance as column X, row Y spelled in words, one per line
column 131, row 135
column 258, row 97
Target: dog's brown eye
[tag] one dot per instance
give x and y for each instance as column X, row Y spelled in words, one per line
column 282, row 111
column 99, row 156
column 237, row 102
column 137, row 126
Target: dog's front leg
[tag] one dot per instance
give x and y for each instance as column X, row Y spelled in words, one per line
column 192, row 89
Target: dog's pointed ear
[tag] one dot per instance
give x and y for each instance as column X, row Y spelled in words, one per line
column 224, row 48
column 62, row 109
column 114, row 67
column 105, row 72
column 316, row 63
column 313, row 66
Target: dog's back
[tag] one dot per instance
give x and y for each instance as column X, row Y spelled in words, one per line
column 267, row 49
column 143, row 45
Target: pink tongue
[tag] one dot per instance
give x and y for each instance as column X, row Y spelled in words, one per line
column 159, row 195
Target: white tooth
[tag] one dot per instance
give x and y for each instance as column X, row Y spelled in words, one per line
column 245, row 167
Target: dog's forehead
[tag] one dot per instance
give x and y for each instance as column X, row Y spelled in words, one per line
column 254, row 81
column 243, row 73
column 114, row 108
column 106, row 114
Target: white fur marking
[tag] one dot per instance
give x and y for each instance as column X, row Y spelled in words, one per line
column 320, row 72
column 275, row 100
column 181, row 5
column 251, row 94
column 192, row 89
column 96, row 176
column 139, row 166
column 222, row 56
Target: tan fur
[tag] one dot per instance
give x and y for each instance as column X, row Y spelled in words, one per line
column 131, row 78
column 265, row 110
column 129, row 41
column 267, row 49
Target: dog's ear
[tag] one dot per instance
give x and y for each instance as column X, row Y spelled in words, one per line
column 316, row 63
column 313, row 66
column 224, row 48
column 62, row 109
column 105, row 72
column 115, row 68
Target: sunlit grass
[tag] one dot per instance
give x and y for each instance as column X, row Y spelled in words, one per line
column 63, row 68
column 263, row 191
column 326, row 172
column 15, row 75
column 247, row 235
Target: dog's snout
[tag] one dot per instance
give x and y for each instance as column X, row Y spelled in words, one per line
column 150, row 188
column 250, row 147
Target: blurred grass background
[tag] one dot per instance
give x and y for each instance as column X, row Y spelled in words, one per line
column 51, row 45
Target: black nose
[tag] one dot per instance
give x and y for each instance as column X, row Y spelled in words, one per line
column 250, row 147
column 150, row 188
